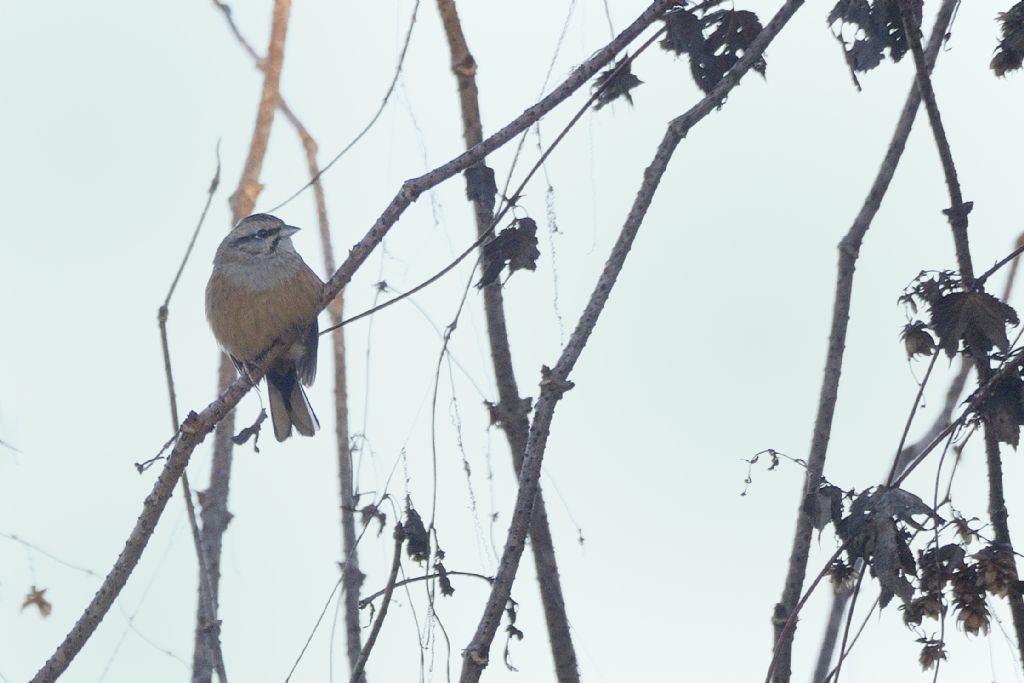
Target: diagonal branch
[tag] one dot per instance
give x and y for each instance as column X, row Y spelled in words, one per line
column 197, row 425
column 555, row 381
column 511, row 408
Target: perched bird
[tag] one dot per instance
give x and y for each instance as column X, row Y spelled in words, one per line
column 259, row 289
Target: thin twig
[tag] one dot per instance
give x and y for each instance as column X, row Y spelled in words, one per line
column 555, row 381
column 363, row 602
column 849, row 251
column 208, row 626
column 396, row 562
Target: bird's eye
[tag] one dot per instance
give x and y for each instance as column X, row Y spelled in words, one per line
column 263, row 234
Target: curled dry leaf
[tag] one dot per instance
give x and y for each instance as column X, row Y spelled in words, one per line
column 917, row 340
column 36, row 597
column 515, row 246
column 1010, row 51
column 1003, row 409
column 418, row 540
column 480, row 185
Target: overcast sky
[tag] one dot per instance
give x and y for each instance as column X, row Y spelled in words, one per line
column 710, row 349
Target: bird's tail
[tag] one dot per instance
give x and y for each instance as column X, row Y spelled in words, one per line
column 289, row 405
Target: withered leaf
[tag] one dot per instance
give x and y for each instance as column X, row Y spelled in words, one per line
column 480, row 185
column 1003, row 409
column 616, row 82
column 916, row 339
column 877, row 27
column 1010, row 51
column 871, row 532
column 443, row 579
column 714, row 42
column 978, row 318
column 418, row 540
column 37, row 597
column 825, row 505
column 515, row 246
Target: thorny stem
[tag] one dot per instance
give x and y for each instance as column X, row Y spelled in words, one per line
column 849, row 251
column 511, row 407
column 555, row 381
column 197, row 425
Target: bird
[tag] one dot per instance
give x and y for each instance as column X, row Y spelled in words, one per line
column 259, row 289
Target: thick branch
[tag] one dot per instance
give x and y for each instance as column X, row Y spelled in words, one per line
column 555, row 381
column 511, row 407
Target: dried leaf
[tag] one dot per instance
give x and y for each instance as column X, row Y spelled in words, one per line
column 877, row 27
column 871, row 532
column 825, row 505
column 977, row 318
column 616, row 82
column 1003, row 409
column 37, row 598
column 1010, row 51
column 515, row 246
column 418, row 540
column 443, row 579
column 714, row 42
column 480, row 185
column 916, row 339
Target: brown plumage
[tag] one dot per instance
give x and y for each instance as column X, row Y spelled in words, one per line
column 259, row 289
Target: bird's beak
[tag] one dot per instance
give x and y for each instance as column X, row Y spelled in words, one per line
column 288, row 230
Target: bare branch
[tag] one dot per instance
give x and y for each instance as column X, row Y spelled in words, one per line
column 849, row 251
column 197, row 425
column 511, row 406
column 555, row 381
column 396, row 563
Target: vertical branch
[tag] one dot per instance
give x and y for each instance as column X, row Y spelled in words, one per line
column 849, row 251
column 352, row 577
column 207, row 622
column 511, row 408
column 555, row 383
column 215, row 513
column 359, row 664
column 957, row 215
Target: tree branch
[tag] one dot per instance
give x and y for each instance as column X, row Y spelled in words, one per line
column 849, row 251
column 197, row 425
column 511, row 407
column 555, row 381
column 396, row 563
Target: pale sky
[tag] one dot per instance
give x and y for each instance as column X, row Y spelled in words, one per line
column 710, row 348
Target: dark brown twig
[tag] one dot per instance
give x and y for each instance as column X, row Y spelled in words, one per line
column 207, row 622
column 511, row 406
column 396, row 563
column 849, row 251
column 555, row 381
